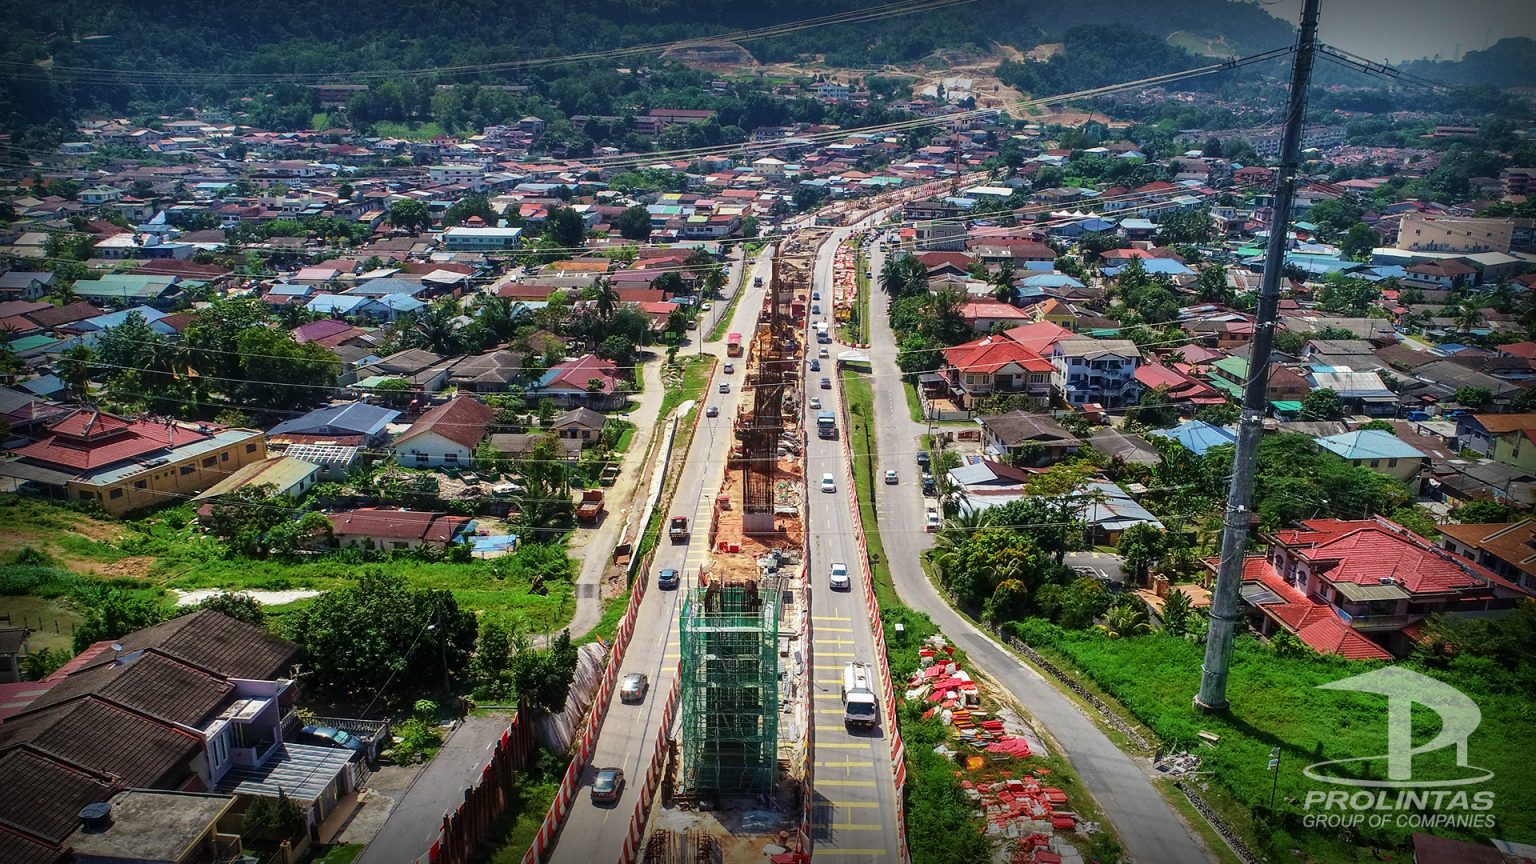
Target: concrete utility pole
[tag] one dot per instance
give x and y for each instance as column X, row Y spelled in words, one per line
column 1226, row 602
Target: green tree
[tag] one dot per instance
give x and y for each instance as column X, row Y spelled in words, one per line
column 273, row 819
column 1142, row 545
column 1178, row 612
column 1128, row 618
column 111, row 613
column 565, row 229
column 1155, row 409
column 461, row 210
column 1358, row 241
column 634, row 223
column 379, row 632
column 75, row 370
column 1484, row 511
column 1322, row 404
column 1225, row 414
column 1472, row 397
column 545, row 505
column 543, row 678
column 490, row 670
column 409, row 214
column 607, row 298
column 277, row 372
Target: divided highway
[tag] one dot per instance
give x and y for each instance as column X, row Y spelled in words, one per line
column 627, row 740
column 856, row 808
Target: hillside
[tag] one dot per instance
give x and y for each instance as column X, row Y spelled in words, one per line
column 1506, row 63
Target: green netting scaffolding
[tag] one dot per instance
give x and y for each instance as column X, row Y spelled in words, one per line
column 730, row 688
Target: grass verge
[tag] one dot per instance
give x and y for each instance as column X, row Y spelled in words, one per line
column 914, row 402
column 695, row 377
column 861, row 440
column 723, row 325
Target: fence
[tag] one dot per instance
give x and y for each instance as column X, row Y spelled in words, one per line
column 486, row 800
column 642, row 813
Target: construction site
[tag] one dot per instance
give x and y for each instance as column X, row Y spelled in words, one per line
column 736, row 761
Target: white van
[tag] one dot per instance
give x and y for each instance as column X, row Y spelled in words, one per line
column 860, row 707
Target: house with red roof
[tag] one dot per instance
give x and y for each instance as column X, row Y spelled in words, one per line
column 397, row 529
column 984, row 316
column 123, row 465
column 1039, row 336
column 446, row 435
column 1363, row 588
column 588, row 381
column 995, row 366
column 1182, row 390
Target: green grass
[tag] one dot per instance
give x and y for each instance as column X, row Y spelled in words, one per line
column 52, row 619
column 861, row 440
column 914, row 402
column 528, row 803
column 344, row 853
column 723, row 325
column 696, row 372
column 407, row 131
column 1275, row 702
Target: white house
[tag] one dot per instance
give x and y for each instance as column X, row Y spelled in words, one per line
column 1096, row 370
column 446, row 435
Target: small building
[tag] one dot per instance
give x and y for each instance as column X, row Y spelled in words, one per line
column 386, row 529
column 580, row 424
column 1198, row 436
column 139, row 826
column 24, row 285
column 465, row 239
column 1028, row 439
column 1506, row 548
column 288, row 478
column 1379, row 451
column 445, row 436
column 1506, row 438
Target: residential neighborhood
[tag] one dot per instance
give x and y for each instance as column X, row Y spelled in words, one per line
column 920, row 433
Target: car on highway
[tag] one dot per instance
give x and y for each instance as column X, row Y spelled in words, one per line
column 725, row 386
column 826, row 383
column 815, row 403
column 712, row 411
column 815, row 365
column 828, row 484
column 815, row 308
column 839, row 580
column 667, row 579
column 730, row 368
column 823, row 353
column 634, row 687
column 890, row 477
column 608, row 785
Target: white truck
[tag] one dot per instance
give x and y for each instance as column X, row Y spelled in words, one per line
column 860, row 706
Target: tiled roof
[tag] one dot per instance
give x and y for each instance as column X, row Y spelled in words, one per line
column 1366, row 552
column 1498, row 424
column 218, row 643
column 1510, row 542
column 1314, row 623
column 90, row 733
column 147, row 682
column 86, row 440
column 461, row 420
column 397, row 524
column 43, row 797
column 987, row 356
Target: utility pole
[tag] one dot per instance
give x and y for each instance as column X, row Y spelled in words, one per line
column 1226, row 602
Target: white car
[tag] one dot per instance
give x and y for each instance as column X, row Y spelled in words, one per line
column 839, row 580
column 890, row 477
column 725, row 386
column 730, row 368
column 816, row 403
column 828, row 484
column 707, row 306
column 823, row 354
column 933, row 519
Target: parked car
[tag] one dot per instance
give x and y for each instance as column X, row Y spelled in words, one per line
column 932, row 521
column 634, row 687
column 330, row 736
column 828, row 484
column 890, row 477
column 667, row 579
column 839, row 580
column 712, row 411
column 608, row 785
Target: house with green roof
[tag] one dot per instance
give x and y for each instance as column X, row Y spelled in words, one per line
column 1230, row 376
column 133, row 289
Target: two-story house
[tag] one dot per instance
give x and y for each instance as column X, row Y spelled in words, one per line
column 1381, row 452
column 1096, row 371
column 995, row 366
column 1506, row 438
column 1506, row 548
column 445, row 436
column 1362, row 588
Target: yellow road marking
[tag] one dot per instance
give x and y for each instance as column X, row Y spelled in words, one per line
column 837, row 653
column 826, row 696
column 862, row 805
column 820, row 781
column 834, row 629
column 843, row 826
column 833, row 711
column 829, row 728
column 844, row 764
column 828, row 618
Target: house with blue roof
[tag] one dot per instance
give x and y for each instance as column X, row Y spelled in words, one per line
column 1198, row 436
column 1154, row 266
column 339, row 421
column 109, row 320
column 341, row 304
column 1381, row 452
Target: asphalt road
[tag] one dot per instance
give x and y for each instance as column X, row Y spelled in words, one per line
column 1151, row 831
column 627, row 740
column 855, row 795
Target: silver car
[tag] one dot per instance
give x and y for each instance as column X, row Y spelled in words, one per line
column 634, row 687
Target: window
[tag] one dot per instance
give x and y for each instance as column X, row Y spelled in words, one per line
column 188, row 469
column 450, row 457
column 250, row 448
column 115, row 494
column 209, row 462
column 1375, row 463
column 1391, row 463
column 224, row 457
column 86, row 496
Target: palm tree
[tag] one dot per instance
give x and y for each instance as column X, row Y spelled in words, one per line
column 1177, row 611
column 1468, row 317
column 607, row 298
column 1004, row 282
column 1125, row 619
column 436, row 328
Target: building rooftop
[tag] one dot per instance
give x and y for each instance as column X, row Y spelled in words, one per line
column 151, row 826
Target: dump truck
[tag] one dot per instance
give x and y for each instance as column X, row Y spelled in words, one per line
column 860, row 706
column 590, row 506
column 678, row 530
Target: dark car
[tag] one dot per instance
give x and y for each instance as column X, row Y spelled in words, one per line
column 633, row 687
column 609, row 784
column 330, row 736
column 667, row 579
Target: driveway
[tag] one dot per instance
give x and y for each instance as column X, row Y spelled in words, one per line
column 413, row 824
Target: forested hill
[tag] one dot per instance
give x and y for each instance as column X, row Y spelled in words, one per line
column 185, row 53
column 1506, row 63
